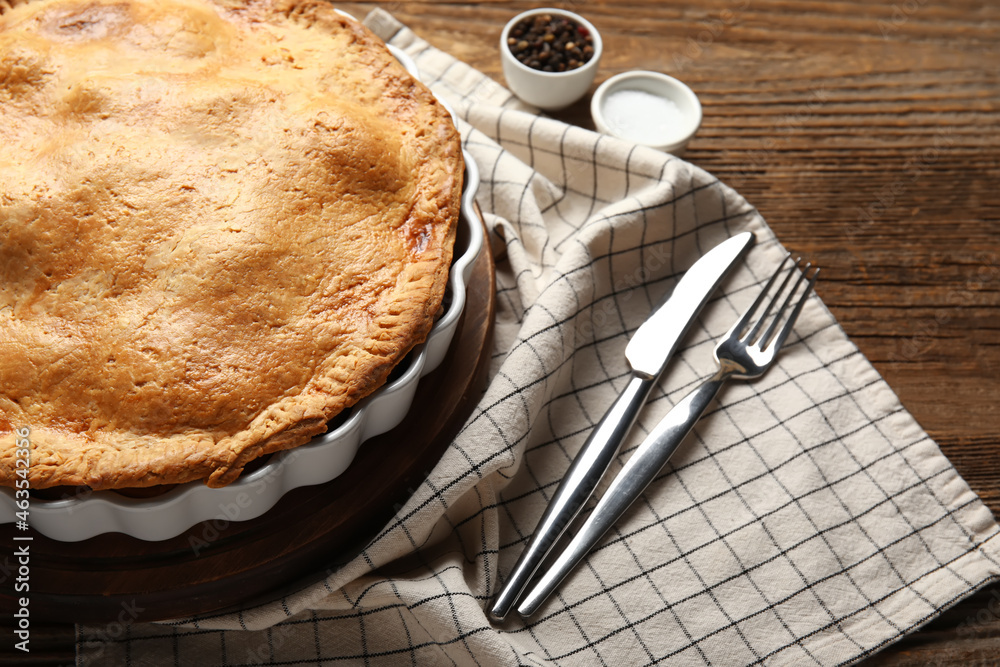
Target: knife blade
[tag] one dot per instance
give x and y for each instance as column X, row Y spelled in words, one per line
column 647, row 352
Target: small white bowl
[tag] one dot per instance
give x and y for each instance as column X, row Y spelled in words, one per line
column 648, row 108
column 550, row 91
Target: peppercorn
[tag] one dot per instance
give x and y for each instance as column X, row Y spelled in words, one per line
column 550, row 43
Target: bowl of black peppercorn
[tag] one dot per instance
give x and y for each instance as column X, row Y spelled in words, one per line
column 549, row 56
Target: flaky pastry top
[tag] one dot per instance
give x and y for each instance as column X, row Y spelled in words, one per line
column 222, row 223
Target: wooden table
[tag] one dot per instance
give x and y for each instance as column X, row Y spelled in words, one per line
column 868, row 135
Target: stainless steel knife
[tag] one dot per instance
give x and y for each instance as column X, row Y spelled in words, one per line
column 647, row 353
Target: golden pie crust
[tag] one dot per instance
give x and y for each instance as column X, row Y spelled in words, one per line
column 222, row 223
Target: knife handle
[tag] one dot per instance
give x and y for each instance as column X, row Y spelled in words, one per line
column 644, row 464
column 576, row 487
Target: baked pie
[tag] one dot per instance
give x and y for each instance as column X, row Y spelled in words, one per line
column 222, row 224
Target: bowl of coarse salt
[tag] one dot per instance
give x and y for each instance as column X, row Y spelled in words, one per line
column 647, row 108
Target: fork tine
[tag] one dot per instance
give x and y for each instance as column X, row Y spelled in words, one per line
column 751, row 337
column 769, row 334
column 787, row 328
column 741, row 324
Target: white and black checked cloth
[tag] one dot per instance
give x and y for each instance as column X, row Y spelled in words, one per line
column 807, row 520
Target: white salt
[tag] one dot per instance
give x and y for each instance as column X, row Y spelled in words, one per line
column 643, row 117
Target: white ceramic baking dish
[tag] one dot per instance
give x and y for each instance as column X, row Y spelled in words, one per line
column 89, row 513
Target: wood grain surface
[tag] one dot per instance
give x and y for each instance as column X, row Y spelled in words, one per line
column 868, row 136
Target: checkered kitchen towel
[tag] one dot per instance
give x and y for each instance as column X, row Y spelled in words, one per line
column 807, row 520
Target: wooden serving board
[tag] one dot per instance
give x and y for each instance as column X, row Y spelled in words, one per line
column 309, row 533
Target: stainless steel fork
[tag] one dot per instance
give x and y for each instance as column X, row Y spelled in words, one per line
column 744, row 353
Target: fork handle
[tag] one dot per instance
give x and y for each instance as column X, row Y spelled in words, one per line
column 644, row 464
column 576, row 487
